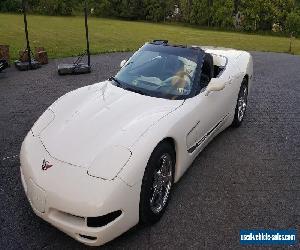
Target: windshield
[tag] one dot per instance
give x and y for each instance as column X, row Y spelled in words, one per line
column 160, row 71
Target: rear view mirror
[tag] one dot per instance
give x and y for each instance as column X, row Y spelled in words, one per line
column 123, row 63
column 215, row 84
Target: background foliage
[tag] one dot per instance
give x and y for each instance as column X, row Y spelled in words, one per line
column 253, row 15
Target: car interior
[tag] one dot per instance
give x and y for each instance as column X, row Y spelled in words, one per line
column 207, row 70
column 210, row 69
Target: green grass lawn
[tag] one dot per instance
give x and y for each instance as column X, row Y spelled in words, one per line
column 64, row 36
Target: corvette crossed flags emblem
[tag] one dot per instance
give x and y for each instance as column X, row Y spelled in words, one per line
column 46, row 165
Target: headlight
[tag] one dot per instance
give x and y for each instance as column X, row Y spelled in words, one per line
column 109, row 162
column 45, row 119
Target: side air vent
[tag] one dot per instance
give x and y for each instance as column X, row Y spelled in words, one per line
column 103, row 220
column 92, row 238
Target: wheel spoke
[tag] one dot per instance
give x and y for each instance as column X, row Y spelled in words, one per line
column 162, row 182
column 242, row 104
column 155, row 194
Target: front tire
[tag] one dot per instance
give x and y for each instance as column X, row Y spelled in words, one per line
column 241, row 105
column 157, row 183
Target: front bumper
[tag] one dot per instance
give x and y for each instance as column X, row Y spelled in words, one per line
column 65, row 196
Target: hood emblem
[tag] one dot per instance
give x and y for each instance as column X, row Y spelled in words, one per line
column 46, row 165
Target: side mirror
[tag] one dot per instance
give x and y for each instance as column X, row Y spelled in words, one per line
column 123, row 63
column 215, row 84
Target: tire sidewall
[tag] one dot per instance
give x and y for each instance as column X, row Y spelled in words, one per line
column 147, row 216
column 236, row 122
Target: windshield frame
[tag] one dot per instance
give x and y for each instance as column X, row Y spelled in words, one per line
column 176, row 50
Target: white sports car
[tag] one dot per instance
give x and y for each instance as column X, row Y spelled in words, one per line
column 104, row 157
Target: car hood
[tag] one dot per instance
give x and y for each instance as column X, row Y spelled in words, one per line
column 89, row 121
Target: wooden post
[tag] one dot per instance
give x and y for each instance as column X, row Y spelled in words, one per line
column 291, row 40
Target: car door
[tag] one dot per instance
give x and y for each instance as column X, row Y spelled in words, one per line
column 207, row 114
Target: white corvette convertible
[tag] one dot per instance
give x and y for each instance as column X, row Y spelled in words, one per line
column 104, row 157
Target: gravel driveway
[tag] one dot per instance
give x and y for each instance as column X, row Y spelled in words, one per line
column 246, row 178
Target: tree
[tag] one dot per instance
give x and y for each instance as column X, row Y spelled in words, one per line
column 108, row 8
column 258, row 14
column 262, row 14
column 282, row 9
column 10, row 5
column 159, row 10
column 185, row 7
column 55, row 7
column 222, row 13
column 293, row 23
column 199, row 13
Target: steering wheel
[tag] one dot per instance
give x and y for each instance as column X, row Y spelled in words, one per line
column 173, row 87
column 179, row 74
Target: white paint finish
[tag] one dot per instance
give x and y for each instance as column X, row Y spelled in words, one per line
column 46, row 118
column 95, row 118
column 105, row 131
column 216, row 84
column 109, row 162
column 36, row 196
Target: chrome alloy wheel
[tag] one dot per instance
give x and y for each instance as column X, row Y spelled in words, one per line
column 162, row 182
column 242, row 103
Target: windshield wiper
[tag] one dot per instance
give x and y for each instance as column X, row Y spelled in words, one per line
column 128, row 63
column 119, row 84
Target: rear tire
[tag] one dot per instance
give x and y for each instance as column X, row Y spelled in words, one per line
column 241, row 105
column 157, row 183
